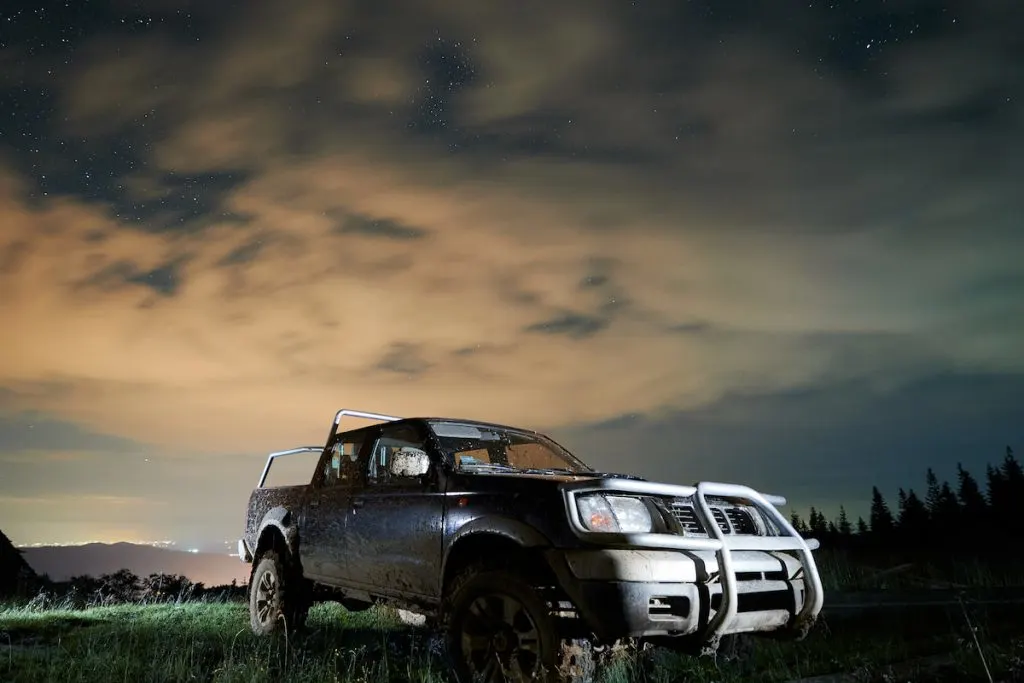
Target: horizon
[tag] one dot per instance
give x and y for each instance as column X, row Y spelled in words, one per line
column 707, row 241
column 858, row 511
column 918, row 518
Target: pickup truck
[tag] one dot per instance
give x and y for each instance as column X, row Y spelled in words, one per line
column 525, row 558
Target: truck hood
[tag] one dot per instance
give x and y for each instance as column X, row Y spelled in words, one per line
column 527, row 480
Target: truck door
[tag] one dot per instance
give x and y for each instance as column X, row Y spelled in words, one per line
column 394, row 529
column 322, row 532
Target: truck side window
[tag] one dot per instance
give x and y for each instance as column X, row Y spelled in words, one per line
column 343, row 466
column 391, row 440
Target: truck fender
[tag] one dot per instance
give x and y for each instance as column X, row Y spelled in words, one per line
column 281, row 519
column 507, row 527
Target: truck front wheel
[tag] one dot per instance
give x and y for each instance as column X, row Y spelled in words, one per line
column 498, row 628
column 276, row 599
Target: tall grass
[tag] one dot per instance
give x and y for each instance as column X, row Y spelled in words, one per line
column 843, row 570
column 200, row 641
column 209, row 640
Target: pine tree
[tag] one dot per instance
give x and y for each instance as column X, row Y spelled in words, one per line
column 843, row 526
column 1000, row 505
column 1013, row 491
column 932, row 491
column 996, row 486
column 913, row 519
column 1013, row 475
column 947, row 515
column 797, row 523
column 973, row 506
column 819, row 526
column 882, row 522
column 862, row 527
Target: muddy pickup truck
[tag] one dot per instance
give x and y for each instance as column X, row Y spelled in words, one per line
column 524, row 557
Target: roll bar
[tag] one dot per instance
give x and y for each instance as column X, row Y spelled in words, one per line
column 334, row 430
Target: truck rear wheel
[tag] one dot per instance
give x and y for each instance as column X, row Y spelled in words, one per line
column 276, row 598
column 499, row 629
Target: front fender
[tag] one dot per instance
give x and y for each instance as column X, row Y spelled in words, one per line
column 508, row 527
column 281, row 519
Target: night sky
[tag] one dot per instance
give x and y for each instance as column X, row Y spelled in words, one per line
column 770, row 242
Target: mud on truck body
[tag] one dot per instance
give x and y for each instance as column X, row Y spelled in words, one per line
column 518, row 551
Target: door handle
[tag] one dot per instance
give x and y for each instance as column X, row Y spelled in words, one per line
column 358, row 502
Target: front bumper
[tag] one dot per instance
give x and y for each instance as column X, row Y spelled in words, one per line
column 243, row 551
column 622, row 593
column 654, row 584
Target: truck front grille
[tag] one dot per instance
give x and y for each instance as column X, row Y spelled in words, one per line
column 729, row 518
column 741, row 521
column 687, row 518
column 720, row 520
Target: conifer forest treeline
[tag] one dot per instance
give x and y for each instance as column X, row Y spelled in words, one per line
column 961, row 517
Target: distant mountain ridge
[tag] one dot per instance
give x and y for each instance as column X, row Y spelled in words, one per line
column 60, row 563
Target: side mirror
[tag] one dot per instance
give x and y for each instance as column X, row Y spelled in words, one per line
column 409, row 462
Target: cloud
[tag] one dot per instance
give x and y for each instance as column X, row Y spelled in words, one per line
column 21, row 432
column 822, row 446
column 612, row 223
column 378, row 227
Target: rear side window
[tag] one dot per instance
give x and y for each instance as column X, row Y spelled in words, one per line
column 342, row 468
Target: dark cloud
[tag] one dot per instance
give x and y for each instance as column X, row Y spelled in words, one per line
column 575, row 325
column 694, row 327
column 242, row 254
column 164, row 279
column 357, row 224
column 177, row 201
column 403, row 359
column 24, row 432
column 821, row 446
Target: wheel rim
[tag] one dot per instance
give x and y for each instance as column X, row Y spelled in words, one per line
column 499, row 636
column 266, row 598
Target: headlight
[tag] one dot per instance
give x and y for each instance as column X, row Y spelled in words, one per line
column 624, row 514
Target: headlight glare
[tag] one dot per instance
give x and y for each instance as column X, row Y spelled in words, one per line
column 596, row 514
column 631, row 513
column 612, row 514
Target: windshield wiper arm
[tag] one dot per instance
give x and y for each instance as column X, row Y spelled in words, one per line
column 489, row 466
column 550, row 470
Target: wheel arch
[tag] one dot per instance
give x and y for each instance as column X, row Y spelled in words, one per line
column 277, row 530
column 501, row 540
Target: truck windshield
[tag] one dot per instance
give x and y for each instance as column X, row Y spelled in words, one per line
column 479, row 448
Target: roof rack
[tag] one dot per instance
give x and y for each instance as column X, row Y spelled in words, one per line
column 334, row 430
column 278, row 454
column 358, row 413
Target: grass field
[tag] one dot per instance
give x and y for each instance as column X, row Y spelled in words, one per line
column 843, row 570
column 211, row 641
column 200, row 641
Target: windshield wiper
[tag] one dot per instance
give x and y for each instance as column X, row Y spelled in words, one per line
column 489, row 466
column 549, row 470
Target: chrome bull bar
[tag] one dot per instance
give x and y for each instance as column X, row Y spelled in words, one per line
column 717, row 541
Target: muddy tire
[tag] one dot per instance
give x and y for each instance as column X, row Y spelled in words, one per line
column 498, row 628
column 278, row 600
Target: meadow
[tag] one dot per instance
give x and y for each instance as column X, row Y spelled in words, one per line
column 209, row 640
